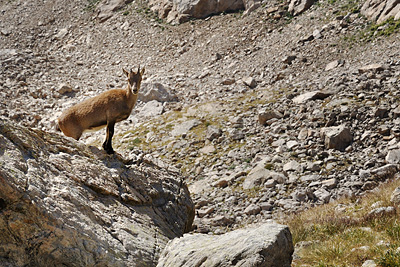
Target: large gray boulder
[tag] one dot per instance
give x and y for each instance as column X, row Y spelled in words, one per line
column 267, row 245
column 63, row 204
column 381, row 10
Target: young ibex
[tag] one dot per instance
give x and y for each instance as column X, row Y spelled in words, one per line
column 103, row 110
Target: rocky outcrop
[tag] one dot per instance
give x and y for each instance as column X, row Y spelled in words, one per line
column 181, row 10
column 63, row 204
column 381, row 10
column 268, row 245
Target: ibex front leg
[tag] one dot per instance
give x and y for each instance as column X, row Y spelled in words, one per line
column 110, row 132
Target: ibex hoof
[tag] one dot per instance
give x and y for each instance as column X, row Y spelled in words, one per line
column 109, row 150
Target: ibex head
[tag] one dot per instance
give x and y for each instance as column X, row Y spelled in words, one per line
column 134, row 78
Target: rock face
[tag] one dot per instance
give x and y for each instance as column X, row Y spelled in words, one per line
column 182, row 10
column 269, row 244
column 62, row 204
column 381, row 10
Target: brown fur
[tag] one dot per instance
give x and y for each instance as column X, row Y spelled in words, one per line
column 103, row 110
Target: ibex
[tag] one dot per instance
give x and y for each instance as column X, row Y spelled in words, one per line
column 103, row 110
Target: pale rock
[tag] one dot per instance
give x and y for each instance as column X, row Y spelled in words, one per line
column 303, row 98
column 303, row 134
column 395, row 197
column 292, row 144
column 371, row 68
column 185, row 127
column 297, row 7
column 213, row 132
column 330, row 183
column 207, row 149
column 268, row 244
column 381, row 10
column 236, row 134
column 64, row 204
column 337, row 137
column 252, row 209
column 256, row 177
column 334, row 64
column 250, row 82
column 61, row 34
column 156, row 91
column 107, row 8
column 369, row 263
column 385, row 172
column 292, row 166
column 322, row 195
column 381, row 212
column 152, row 109
column 393, row 156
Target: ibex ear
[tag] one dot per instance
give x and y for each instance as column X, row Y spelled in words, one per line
column 142, row 72
column 126, row 72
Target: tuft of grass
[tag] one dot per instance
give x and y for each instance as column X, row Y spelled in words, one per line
column 91, row 6
column 385, row 28
column 390, row 259
column 342, row 233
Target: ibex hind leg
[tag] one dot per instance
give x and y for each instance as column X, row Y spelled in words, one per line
column 107, row 145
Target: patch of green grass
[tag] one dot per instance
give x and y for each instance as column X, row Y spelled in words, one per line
column 390, row 259
column 342, row 233
column 385, row 28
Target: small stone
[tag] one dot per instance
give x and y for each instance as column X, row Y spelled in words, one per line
column 250, row 82
column 236, row 134
column 265, row 116
column 61, row 34
column 228, row 81
column 303, row 98
column 292, row 166
column 334, row 64
column 185, row 127
column 291, row 144
column 317, row 34
column 381, row 112
column 152, row 109
column 65, row 89
column 207, row 149
column 204, row 211
column 371, row 68
column 322, row 195
column 337, row 137
column 222, row 183
column 330, row 183
column 289, row 59
column 380, row 212
column 252, row 209
column 395, row 197
column 213, row 132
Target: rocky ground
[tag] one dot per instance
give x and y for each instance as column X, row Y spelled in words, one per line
column 264, row 113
